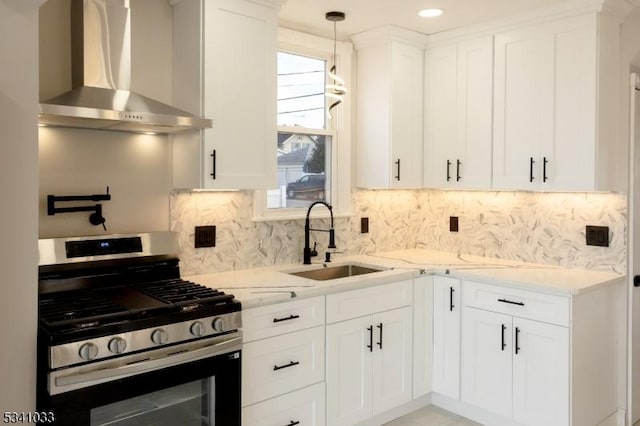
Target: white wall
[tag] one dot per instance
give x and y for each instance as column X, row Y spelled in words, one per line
column 18, row 208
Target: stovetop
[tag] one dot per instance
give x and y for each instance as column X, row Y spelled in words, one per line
column 85, row 313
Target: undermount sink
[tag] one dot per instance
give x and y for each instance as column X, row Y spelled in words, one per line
column 335, row 272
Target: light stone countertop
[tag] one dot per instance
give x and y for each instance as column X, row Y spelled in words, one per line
column 272, row 284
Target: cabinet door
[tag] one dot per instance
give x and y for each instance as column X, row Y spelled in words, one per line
column 440, row 116
column 392, row 359
column 540, row 373
column 349, row 371
column 446, row 336
column 240, row 94
column 487, row 361
column 422, row 335
column 471, row 168
column 522, row 113
column 570, row 147
column 407, row 74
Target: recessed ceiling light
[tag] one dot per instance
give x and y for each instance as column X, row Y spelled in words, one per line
column 430, row 13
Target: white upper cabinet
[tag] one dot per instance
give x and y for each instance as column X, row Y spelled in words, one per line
column 225, row 69
column 551, row 100
column 390, row 108
column 458, row 114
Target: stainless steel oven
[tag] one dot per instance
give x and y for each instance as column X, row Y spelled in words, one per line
column 124, row 341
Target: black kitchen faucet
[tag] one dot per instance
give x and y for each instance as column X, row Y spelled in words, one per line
column 308, row 253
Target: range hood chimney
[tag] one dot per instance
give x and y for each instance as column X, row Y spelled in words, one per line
column 101, row 78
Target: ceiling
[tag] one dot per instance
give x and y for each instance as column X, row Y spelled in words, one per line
column 361, row 15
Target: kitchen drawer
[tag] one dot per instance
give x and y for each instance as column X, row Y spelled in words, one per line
column 281, row 318
column 281, row 364
column 305, row 407
column 517, row 302
column 366, row 301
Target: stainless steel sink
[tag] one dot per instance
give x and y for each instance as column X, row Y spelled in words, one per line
column 335, row 272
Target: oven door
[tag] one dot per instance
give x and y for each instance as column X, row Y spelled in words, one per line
column 195, row 386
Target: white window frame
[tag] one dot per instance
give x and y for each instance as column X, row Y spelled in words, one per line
column 340, row 129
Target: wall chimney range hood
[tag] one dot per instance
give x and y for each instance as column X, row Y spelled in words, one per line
column 101, row 78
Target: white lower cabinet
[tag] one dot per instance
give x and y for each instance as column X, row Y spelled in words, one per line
column 514, row 367
column 304, row 407
column 281, row 364
column 368, row 365
column 446, row 336
column 369, row 351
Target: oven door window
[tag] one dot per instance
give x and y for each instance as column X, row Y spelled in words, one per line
column 189, row 404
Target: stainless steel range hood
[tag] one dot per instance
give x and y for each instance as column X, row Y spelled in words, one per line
column 101, row 78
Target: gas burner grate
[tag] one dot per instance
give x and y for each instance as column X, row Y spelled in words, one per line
column 180, row 292
column 75, row 308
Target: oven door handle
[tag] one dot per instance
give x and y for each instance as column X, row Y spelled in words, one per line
column 64, row 381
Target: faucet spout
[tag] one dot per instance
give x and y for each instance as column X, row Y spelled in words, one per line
column 307, row 254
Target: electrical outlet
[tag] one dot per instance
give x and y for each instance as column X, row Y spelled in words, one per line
column 453, row 223
column 205, row 236
column 364, row 225
column 597, row 236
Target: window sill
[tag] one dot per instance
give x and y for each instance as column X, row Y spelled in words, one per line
column 317, row 214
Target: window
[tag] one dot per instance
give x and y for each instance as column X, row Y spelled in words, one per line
column 313, row 163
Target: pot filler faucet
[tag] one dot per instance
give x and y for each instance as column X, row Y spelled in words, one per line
column 308, row 253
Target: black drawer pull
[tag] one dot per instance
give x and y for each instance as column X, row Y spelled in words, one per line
column 458, row 164
column 280, row 367
column 544, row 169
column 448, row 175
column 511, row 302
column 290, row 317
column 398, row 175
column 504, row 345
column 531, row 169
column 292, row 423
column 517, row 344
column 451, row 290
column 370, row 345
column 213, row 169
column 380, row 341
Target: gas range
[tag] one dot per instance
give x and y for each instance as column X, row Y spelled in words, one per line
column 115, row 307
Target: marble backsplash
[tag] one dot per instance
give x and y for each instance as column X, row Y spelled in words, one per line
column 546, row 228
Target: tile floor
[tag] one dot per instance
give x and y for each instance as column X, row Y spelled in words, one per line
column 432, row 416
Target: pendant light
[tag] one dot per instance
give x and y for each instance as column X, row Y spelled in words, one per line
column 335, row 89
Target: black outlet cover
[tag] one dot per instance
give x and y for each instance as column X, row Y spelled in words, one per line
column 453, row 223
column 364, row 225
column 597, row 236
column 205, row 236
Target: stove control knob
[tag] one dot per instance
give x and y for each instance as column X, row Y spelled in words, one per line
column 88, row 351
column 219, row 324
column 197, row 329
column 117, row 345
column 159, row 336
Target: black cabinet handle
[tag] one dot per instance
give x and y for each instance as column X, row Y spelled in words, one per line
column 544, row 168
column 531, row 169
column 380, row 341
column 504, row 345
column 451, row 290
column 511, row 302
column 448, row 175
column 636, row 281
column 398, row 164
column 290, row 317
column 292, row 423
column 213, row 170
column 370, row 345
column 517, row 345
column 458, row 164
column 280, row 367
